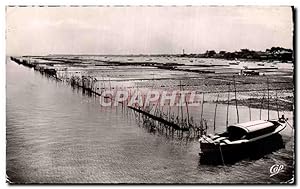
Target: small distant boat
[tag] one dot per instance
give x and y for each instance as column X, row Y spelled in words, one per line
column 238, row 136
column 234, row 63
column 169, row 66
column 260, row 64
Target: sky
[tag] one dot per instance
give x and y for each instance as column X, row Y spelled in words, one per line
column 145, row 30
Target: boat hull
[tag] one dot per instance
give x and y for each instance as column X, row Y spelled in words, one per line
column 211, row 153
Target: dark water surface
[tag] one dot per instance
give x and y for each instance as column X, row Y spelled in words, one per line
column 58, row 135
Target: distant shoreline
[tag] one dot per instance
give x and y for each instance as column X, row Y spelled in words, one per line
column 175, row 56
column 269, row 55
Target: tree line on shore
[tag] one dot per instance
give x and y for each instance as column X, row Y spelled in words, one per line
column 274, row 53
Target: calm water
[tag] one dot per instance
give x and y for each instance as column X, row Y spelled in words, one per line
column 58, row 135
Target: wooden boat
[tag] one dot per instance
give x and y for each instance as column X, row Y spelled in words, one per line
column 238, row 136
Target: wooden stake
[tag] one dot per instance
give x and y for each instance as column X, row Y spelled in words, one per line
column 181, row 108
column 187, row 110
column 250, row 108
column 268, row 99
column 227, row 106
column 277, row 104
column 236, row 106
column 202, row 108
column 262, row 101
column 216, row 113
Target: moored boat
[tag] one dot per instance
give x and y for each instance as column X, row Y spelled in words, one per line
column 241, row 135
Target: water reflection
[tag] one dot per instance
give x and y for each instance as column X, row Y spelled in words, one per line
column 56, row 135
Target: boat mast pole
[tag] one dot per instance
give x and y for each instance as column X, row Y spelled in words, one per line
column 236, row 106
column 227, row 105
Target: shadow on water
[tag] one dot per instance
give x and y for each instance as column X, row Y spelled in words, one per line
column 253, row 151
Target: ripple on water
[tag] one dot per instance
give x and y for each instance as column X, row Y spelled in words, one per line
column 57, row 135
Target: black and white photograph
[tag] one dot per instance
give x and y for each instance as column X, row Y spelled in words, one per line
column 150, row 94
